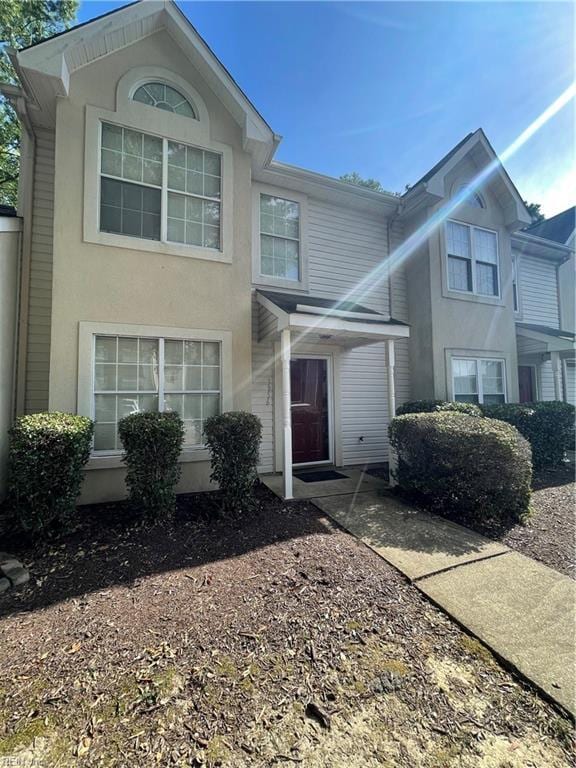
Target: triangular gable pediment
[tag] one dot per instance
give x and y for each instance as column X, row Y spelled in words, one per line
column 45, row 68
column 474, row 149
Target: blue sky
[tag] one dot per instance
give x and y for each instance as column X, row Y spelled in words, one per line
column 387, row 88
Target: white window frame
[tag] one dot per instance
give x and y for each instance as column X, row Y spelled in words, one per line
column 170, row 127
column 266, row 280
column 477, row 361
column 473, row 261
column 164, row 190
column 86, row 369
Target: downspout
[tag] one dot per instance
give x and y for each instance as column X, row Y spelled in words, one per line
column 24, row 209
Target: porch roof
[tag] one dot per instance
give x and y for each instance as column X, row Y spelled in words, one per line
column 551, row 339
column 328, row 319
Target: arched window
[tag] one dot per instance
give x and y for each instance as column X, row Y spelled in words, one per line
column 165, row 97
column 469, row 197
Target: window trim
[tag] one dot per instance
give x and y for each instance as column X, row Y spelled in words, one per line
column 478, row 361
column 473, row 262
column 266, row 281
column 86, row 347
column 155, row 124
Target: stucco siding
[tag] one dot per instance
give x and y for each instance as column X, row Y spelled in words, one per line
column 399, row 311
column 538, row 292
column 41, row 257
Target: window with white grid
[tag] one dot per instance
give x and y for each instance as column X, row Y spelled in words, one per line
column 472, row 257
column 279, row 238
column 134, row 374
column 478, row 380
column 157, row 189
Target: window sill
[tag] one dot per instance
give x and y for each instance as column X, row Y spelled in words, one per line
column 115, row 460
column 157, row 246
column 298, row 286
column 475, row 298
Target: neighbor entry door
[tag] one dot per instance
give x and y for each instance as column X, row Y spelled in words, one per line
column 310, row 410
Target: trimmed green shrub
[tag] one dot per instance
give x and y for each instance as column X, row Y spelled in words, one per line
column 466, row 468
column 152, row 444
column 435, row 406
column 548, row 427
column 233, row 440
column 47, row 452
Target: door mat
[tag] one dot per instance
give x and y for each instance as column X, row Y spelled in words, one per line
column 320, row 475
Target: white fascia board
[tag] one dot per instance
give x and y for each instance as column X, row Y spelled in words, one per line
column 345, row 314
column 346, row 328
column 553, row 343
column 540, row 246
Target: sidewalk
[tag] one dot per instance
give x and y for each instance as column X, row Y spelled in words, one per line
column 521, row 609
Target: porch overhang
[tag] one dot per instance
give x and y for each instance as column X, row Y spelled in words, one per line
column 546, row 340
column 326, row 320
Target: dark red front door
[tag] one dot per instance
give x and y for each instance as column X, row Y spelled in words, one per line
column 526, row 383
column 309, row 386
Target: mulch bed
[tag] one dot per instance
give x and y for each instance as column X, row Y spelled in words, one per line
column 273, row 639
column 549, row 534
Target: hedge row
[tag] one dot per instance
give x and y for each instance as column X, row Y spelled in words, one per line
column 548, row 426
column 470, row 469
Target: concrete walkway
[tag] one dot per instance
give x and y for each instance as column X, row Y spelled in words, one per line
column 521, row 609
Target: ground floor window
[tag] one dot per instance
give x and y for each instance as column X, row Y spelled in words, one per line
column 478, row 380
column 133, row 373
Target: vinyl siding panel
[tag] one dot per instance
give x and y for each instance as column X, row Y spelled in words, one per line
column 344, row 247
column 263, row 389
column 546, row 381
column 538, row 292
column 40, row 297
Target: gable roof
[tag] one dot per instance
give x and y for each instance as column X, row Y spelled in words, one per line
column 45, row 68
column 559, row 228
column 430, row 188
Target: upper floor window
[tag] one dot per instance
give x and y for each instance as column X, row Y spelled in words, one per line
column 157, row 189
column 469, row 197
column 279, row 238
column 478, row 380
column 165, row 97
column 472, row 254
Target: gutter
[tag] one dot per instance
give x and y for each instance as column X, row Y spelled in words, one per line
column 19, row 100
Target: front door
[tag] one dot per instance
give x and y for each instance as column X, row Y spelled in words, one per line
column 526, row 383
column 310, row 418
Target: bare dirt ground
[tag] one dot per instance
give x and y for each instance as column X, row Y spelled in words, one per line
column 276, row 639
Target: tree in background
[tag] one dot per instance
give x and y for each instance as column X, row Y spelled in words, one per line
column 355, row 178
column 22, row 23
column 535, row 212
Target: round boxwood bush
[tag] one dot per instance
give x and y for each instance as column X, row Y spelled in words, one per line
column 468, row 469
column 233, row 440
column 152, row 444
column 435, row 406
column 548, row 427
column 47, row 452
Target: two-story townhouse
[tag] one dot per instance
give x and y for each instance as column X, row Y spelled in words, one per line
column 169, row 262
